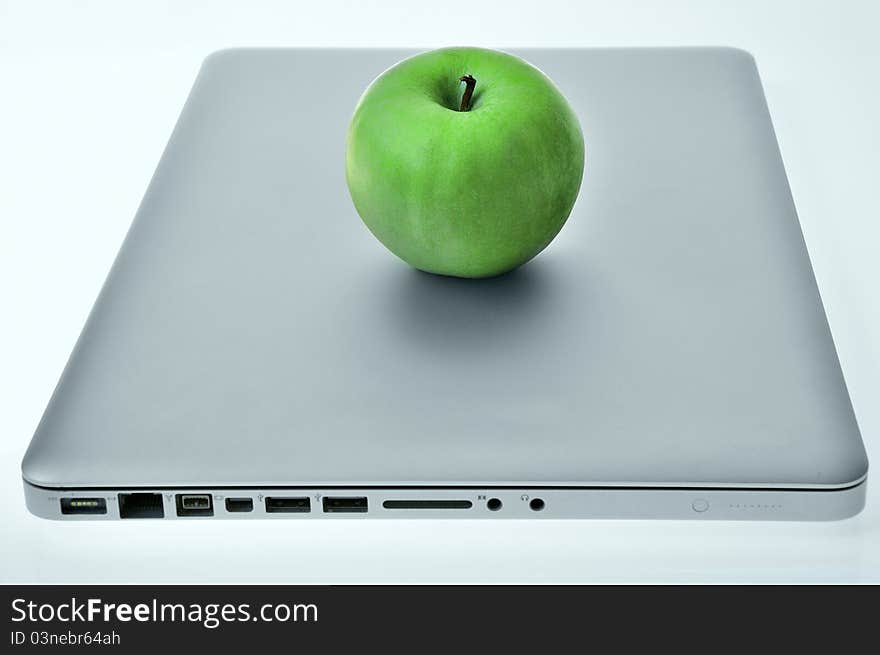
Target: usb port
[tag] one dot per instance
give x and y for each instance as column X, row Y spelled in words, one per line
column 239, row 504
column 83, row 506
column 195, row 505
column 276, row 504
column 355, row 504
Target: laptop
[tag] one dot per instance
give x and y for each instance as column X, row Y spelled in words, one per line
column 256, row 354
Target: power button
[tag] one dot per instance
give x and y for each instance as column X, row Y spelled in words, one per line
column 700, row 505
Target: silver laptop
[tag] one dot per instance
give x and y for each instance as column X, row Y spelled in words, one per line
column 256, row 353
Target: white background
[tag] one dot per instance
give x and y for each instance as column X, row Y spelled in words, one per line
column 89, row 93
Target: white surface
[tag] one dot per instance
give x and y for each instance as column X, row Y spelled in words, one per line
column 91, row 94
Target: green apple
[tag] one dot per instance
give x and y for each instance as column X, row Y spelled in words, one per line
column 464, row 161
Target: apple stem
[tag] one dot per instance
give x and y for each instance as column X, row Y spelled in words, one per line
column 470, row 83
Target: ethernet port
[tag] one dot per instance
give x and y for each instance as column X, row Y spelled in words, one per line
column 141, row 506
